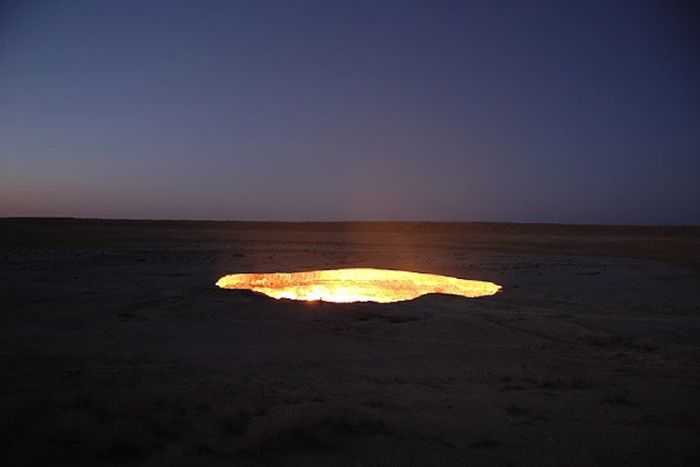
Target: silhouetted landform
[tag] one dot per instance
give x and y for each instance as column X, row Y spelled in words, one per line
column 503, row 228
column 116, row 347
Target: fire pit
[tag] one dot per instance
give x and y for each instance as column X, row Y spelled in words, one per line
column 356, row 285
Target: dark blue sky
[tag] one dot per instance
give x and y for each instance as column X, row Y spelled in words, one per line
column 584, row 112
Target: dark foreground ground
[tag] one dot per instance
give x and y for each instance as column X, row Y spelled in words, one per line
column 116, row 348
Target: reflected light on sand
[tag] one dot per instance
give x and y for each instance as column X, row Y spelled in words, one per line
column 356, row 285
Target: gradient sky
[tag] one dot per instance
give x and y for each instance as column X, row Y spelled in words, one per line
column 585, row 112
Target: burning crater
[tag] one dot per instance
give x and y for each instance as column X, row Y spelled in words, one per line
column 356, row 285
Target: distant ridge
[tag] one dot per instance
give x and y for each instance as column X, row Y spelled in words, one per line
column 480, row 227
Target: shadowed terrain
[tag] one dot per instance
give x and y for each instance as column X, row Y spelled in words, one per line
column 117, row 348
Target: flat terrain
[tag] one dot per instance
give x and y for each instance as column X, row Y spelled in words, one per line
column 116, row 348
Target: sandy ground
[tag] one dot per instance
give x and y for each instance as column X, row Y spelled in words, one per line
column 116, row 348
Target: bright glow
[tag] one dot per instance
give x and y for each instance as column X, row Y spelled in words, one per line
column 355, row 285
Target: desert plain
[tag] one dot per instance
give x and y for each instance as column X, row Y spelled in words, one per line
column 116, row 347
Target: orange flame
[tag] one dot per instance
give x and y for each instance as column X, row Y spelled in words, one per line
column 356, row 285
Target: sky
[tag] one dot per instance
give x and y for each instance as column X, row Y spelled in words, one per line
column 575, row 112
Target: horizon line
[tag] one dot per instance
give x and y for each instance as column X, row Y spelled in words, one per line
column 356, row 221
